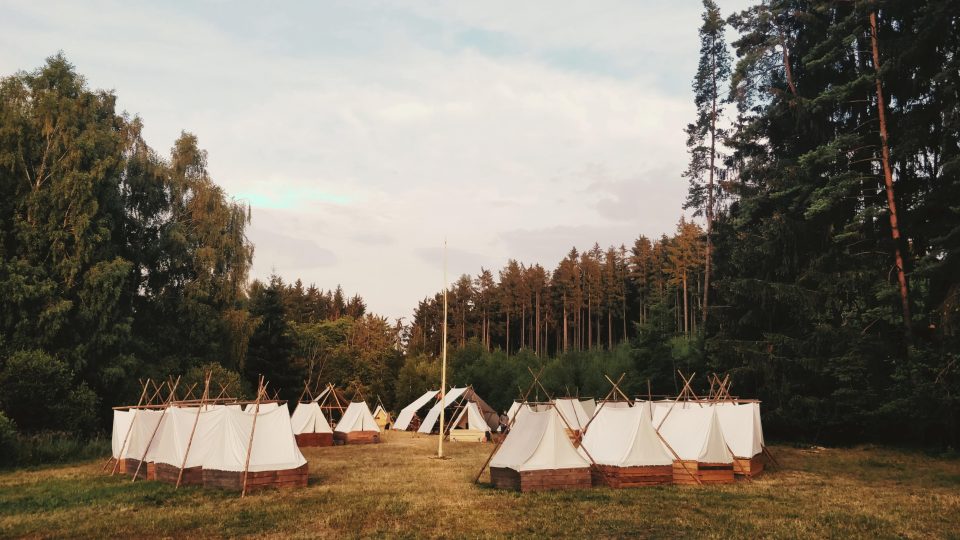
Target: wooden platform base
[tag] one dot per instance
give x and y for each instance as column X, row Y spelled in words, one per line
column 749, row 466
column 525, row 481
column 192, row 476
column 708, row 473
column 357, row 437
column 314, row 439
column 468, row 435
column 128, row 467
column 256, row 481
column 627, row 477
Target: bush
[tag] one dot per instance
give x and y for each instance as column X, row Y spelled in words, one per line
column 9, row 442
column 38, row 393
column 60, row 447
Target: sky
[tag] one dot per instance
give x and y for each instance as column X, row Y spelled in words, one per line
column 364, row 134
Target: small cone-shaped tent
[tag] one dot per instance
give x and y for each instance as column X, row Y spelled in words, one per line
column 406, row 415
column 357, row 426
column 310, row 426
column 538, row 455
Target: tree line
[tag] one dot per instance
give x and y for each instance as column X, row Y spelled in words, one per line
column 596, row 299
column 820, row 266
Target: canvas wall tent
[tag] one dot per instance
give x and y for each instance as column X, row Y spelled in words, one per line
column 538, row 455
column 743, row 433
column 140, row 424
column 469, row 425
column 457, row 398
column 184, row 438
column 358, row 426
column 405, row 419
column 694, row 433
column 309, row 425
column 626, row 449
column 260, row 447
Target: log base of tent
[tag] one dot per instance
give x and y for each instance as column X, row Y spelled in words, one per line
column 708, row 473
column 314, row 439
column 128, row 466
column 256, row 481
column 357, row 437
column 192, row 476
column 545, row 480
column 468, row 435
column 748, row 466
column 626, row 477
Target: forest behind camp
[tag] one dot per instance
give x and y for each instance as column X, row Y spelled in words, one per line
column 818, row 263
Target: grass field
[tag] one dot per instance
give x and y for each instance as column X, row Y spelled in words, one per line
column 394, row 489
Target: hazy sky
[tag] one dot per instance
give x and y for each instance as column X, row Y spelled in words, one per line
column 363, row 133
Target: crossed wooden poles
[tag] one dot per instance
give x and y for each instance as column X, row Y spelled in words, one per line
column 156, row 402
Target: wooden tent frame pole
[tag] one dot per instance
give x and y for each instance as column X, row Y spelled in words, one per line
column 523, row 402
column 261, row 388
column 123, row 446
column 196, row 420
column 602, row 403
column 672, row 405
column 156, row 428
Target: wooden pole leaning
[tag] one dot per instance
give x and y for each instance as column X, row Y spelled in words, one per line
column 261, row 389
column 125, row 437
column 196, row 420
column 523, row 402
column 163, row 411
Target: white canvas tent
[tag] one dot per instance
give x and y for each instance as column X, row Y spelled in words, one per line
column 273, row 445
column 121, row 428
column 741, row 428
column 695, row 434
column 357, row 417
column 433, row 416
column 308, row 418
column 474, row 419
column 625, row 438
column 541, row 444
column 406, row 415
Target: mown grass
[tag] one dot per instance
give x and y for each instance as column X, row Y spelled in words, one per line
column 395, row 489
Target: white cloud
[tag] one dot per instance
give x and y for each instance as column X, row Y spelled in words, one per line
column 362, row 143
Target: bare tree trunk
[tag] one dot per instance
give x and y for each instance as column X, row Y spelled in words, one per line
column 686, row 318
column 888, row 180
column 565, row 344
column 713, row 157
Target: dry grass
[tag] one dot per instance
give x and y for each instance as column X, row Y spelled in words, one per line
column 394, row 489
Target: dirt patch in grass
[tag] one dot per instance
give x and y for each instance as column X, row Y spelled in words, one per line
column 394, row 489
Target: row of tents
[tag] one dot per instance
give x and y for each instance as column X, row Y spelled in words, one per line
column 225, row 443
column 687, row 440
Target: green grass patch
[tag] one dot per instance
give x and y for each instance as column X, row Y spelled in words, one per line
column 394, row 490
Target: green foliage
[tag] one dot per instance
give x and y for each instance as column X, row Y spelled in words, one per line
column 9, row 442
column 40, row 392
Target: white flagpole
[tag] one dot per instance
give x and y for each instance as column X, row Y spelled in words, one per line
column 443, row 365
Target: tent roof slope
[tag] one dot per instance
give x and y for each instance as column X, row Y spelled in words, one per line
column 539, row 443
column 309, row 418
column 357, row 417
column 406, row 414
column 625, row 438
column 474, row 418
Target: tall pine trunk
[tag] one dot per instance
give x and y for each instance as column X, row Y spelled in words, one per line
column 888, row 180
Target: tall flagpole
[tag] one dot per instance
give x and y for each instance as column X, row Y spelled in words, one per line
column 443, row 364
